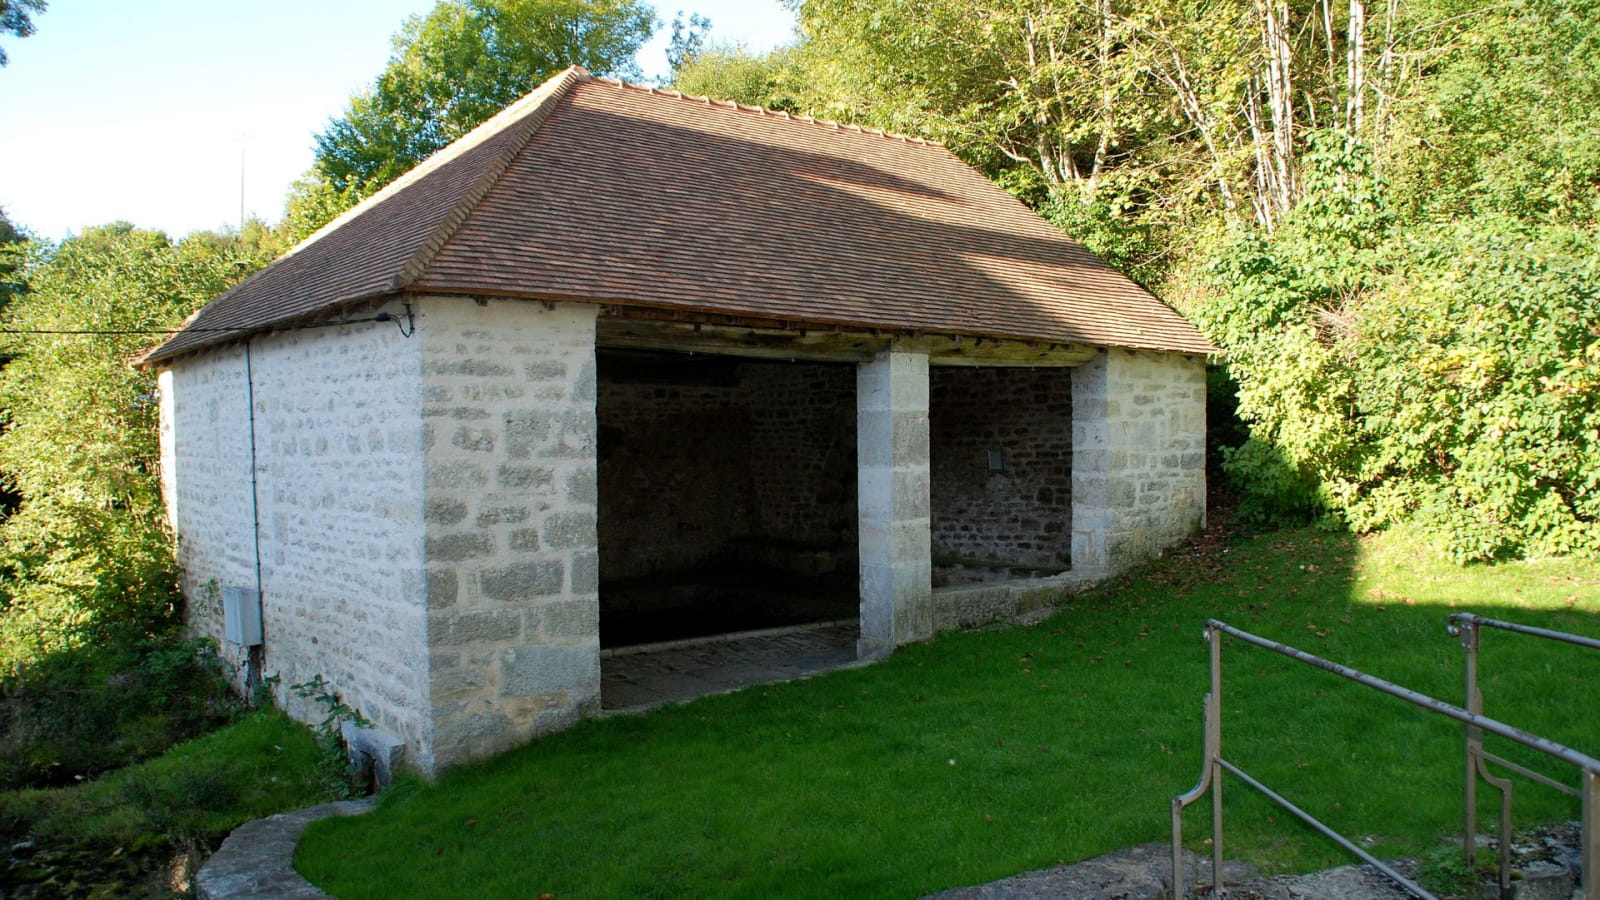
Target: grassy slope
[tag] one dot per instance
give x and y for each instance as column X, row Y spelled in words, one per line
column 984, row 754
column 199, row 789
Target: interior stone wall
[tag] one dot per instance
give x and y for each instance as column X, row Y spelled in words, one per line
column 1020, row 512
column 675, row 465
column 803, row 433
column 701, row 456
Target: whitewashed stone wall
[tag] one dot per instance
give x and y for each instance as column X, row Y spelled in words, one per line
column 339, row 471
column 427, row 511
column 511, row 505
column 1138, row 457
column 205, row 476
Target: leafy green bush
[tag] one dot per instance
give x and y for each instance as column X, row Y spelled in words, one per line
column 72, row 715
column 1280, row 305
column 1477, row 371
column 86, row 557
column 1444, row 375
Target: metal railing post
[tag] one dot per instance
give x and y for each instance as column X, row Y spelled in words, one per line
column 1214, row 760
column 1469, row 628
column 1208, row 773
column 1468, row 633
column 1590, row 859
column 1177, row 848
column 1476, row 757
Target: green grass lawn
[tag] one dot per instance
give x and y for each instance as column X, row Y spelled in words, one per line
column 984, row 754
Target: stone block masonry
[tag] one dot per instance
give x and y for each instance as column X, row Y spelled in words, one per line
column 687, row 439
column 804, row 436
column 1001, row 452
column 511, row 497
column 427, row 511
column 750, row 454
column 338, row 466
column 428, row 506
column 1138, row 457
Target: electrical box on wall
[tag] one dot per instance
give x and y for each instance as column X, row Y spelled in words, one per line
column 241, row 616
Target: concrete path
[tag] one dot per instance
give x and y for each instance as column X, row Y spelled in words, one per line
column 634, row 678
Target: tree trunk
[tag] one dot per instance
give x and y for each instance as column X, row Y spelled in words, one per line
column 1279, row 83
column 1356, row 74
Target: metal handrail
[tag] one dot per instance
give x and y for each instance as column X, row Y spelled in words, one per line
column 1215, row 764
column 1467, row 627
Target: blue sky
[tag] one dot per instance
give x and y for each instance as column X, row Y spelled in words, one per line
column 141, row 111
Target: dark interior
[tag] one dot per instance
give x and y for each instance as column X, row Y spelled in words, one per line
column 727, row 495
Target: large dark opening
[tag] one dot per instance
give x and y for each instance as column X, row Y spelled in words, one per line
column 1000, row 453
column 727, row 495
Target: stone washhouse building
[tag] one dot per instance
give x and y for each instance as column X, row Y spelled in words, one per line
column 621, row 360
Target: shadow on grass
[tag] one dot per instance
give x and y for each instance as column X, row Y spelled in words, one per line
column 983, row 754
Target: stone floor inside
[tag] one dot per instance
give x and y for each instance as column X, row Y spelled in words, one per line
column 646, row 675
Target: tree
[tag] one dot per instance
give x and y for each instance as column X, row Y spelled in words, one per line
column 13, row 255
column 1384, row 213
column 779, row 79
column 462, row 63
column 1159, row 115
column 312, row 203
column 688, row 40
column 1510, row 124
column 16, row 17
column 86, row 555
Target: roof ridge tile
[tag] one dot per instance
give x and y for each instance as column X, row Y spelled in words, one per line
column 756, row 109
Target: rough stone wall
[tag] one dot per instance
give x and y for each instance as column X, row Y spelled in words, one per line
column 1138, row 439
column 1021, row 513
column 676, row 468
column 803, row 441
column 512, row 572
column 339, row 466
column 695, row 459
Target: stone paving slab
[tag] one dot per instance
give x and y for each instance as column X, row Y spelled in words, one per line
column 1137, row 873
column 1144, row 873
column 1356, row 882
column 642, row 677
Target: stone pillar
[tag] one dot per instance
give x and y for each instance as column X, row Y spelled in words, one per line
column 1138, row 458
column 893, row 502
column 512, row 558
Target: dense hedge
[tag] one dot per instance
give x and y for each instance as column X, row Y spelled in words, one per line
column 1445, row 374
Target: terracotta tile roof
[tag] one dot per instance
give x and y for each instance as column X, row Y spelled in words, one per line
column 595, row 190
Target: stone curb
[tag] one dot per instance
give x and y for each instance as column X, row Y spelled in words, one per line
column 257, row 859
